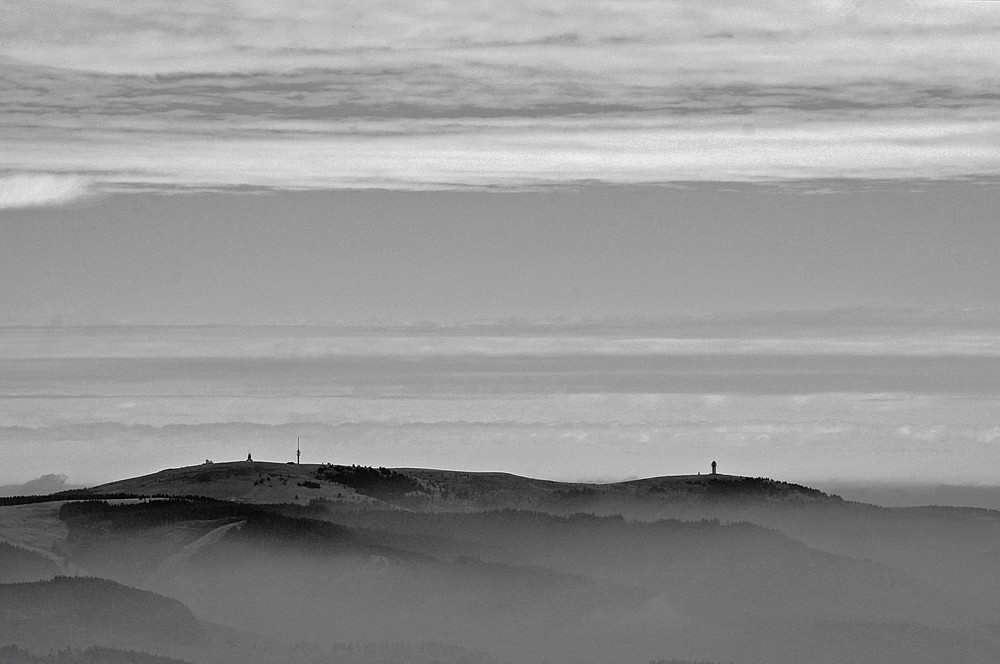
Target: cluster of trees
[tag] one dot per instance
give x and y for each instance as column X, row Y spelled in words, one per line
column 149, row 514
column 742, row 487
column 20, row 564
column 380, row 483
column 576, row 493
column 12, row 654
column 368, row 653
column 263, row 525
column 267, row 479
column 427, row 652
column 72, row 494
column 73, row 605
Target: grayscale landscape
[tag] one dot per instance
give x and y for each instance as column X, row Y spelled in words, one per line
column 255, row 561
column 483, row 332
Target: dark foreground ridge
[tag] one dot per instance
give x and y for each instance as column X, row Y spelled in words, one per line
column 80, row 610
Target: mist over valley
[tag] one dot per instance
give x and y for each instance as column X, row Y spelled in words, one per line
column 257, row 561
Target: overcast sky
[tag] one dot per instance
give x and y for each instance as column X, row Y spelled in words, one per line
column 331, row 257
column 303, row 162
column 308, row 94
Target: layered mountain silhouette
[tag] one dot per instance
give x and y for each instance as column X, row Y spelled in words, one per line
column 82, row 610
column 254, row 561
column 414, row 488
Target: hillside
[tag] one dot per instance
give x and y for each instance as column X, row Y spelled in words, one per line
column 517, row 570
column 84, row 611
column 448, row 490
column 244, row 481
column 18, row 564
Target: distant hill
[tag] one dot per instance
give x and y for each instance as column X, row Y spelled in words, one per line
column 86, row 611
column 450, row 490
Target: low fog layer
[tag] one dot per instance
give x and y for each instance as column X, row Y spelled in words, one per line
column 915, row 494
column 493, row 568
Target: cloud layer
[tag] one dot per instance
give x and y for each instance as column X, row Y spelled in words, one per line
column 299, row 95
column 725, row 40
column 28, row 190
column 793, row 438
column 565, row 408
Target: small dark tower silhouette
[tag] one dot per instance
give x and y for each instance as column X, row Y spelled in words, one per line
column 714, row 466
column 249, row 458
column 298, row 452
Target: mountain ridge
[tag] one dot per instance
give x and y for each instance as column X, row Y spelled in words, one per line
column 712, row 567
column 429, row 488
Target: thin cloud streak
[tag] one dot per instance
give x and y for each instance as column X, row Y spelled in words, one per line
column 42, row 189
column 518, row 154
column 302, row 95
column 480, row 376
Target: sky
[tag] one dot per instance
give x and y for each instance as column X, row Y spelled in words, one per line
column 585, row 240
column 315, row 95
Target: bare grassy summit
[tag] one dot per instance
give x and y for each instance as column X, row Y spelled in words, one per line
column 244, row 481
column 451, row 490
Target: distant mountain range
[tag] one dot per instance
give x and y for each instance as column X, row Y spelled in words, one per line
column 447, row 490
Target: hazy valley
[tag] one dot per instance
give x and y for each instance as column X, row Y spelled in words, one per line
column 266, row 562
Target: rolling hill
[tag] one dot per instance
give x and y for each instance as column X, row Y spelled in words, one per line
column 84, row 611
column 447, row 490
column 515, row 570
